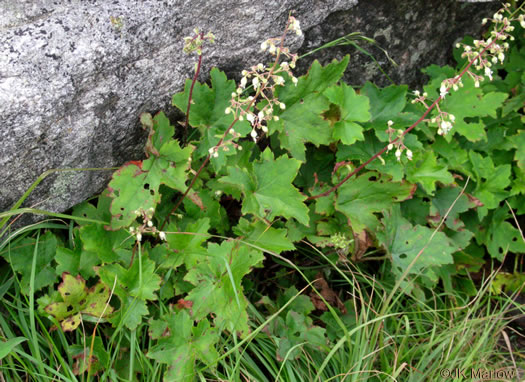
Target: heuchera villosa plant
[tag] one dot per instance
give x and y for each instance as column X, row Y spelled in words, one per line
column 285, row 147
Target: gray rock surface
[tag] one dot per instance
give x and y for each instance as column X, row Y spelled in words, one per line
column 75, row 75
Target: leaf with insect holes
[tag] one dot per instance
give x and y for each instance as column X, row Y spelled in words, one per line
column 77, row 299
column 181, row 344
column 302, row 120
column 404, row 241
column 134, row 286
column 135, row 186
column 268, row 190
column 352, row 108
column 362, row 197
column 501, row 237
column 218, row 289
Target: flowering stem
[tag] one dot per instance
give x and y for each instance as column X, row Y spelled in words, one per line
column 236, row 119
column 427, row 111
column 197, row 71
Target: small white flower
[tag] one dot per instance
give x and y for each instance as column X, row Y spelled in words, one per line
column 451, row 117
column 139, row 236
column 264, row 128
column 443, row 91
column 295, row 80
column 260, row 115
column 476, row 84
column 282, row 106
column 241, row 118
column 488, row 73
column 162, row 235
column 255, row 82
column 253, row 134
column 284, row 65
column 501, row 56
column 264, row 46
column 244, row 80
column 228, row 110
column 149, row 223
column 216, row 154
column 484, row 21
column 260, row 67
column 390, row 147
column 416, row 93
column 390, row 123
column 250, row 117
column 272, row 49
column 275, row 118
column 211, row 150
column 278, row 80
column 409, row 154
column 398, row 154
column 455, row 87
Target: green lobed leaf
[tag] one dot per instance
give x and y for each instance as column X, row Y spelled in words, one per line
column 268, row 191
column 218, row 288
column 263, row 236
column 181, row 345
column 360, row 198
column 404, row 242
column 426, row 171
column 302, row 121
column 352, row 108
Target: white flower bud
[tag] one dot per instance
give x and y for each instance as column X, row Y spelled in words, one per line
column 264, row 46
column 390, row 123
column 264, row 128
column 260, row 67
column 260, row 115
column 216, row 154
column 250, row 117
column 255, row 82
column 398, row 154
column 228, row 110
column 162, row 235
column 139, row 236
column 409, row 154
column 253, row 134
column 295, row 80
column 211, row 150
column 275, row 118
column 149, row 223
column 390, row 147
column 451, row 117
column 243, row 82
column 282, row 106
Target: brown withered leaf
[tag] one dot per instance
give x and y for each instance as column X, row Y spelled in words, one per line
column 328, row 294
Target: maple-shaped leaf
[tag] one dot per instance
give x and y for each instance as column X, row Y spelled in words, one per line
column 441, row 203
column 470, row 102
column 133, row 286
column 360, row 198
column 268, row 191
column 189, row 247
column 426, row 171
column 491, row 181
column 403, row 242
column 385, row 104
column 263, row 236
column 302, row 120
column 351, row 108
column 135, row 186
column 207, row 113
column 182, row 345
column 218, row 288
column 77, row 299
column 501, row 236
column 21, row 255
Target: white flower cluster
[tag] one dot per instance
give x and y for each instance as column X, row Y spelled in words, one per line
column 264, row 81
column 398, row 144
column 194, row 43
column 147, row 225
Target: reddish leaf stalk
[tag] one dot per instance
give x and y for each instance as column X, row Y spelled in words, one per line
column 456, row 79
